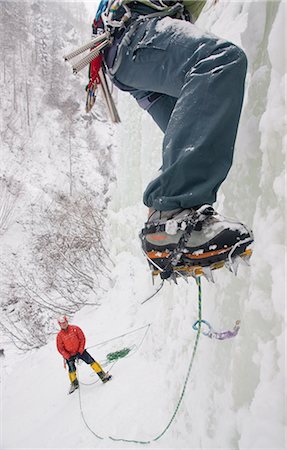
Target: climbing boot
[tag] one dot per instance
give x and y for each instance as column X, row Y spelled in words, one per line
column 74, row 386
column 100, row 372
column 74, row 382
column 193, row 241
column 104, row 376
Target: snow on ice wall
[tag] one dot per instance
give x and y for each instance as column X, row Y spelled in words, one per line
column 236, row 394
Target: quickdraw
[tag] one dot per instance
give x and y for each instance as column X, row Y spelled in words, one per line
column 220, row 335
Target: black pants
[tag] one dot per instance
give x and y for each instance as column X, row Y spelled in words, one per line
column 85, row 356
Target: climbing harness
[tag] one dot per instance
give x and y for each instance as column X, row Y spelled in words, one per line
column 157, row 437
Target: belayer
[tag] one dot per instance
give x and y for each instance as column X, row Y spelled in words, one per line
column 192, row 84
column 71, row 344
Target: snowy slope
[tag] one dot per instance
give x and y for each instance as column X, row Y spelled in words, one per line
column 54, row 159
column 234, row 398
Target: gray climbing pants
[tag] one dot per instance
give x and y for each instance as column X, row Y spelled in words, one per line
column 200, row 79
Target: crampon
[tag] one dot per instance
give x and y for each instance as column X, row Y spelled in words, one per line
column 195, row 243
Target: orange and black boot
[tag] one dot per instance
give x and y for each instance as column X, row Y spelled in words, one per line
column 194, row 242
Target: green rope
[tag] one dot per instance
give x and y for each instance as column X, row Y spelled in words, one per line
column 118, row 354
column 198, row 282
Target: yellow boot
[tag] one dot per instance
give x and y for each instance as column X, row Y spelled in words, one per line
column 74, row 382
column 100, row 372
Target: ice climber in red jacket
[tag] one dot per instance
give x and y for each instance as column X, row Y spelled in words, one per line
column 71, row 344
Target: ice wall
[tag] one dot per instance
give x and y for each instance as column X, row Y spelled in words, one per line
column 235, row 400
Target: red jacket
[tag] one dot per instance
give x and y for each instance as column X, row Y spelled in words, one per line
column 71, row 341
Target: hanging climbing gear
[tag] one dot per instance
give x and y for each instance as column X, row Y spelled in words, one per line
column 104, row 37
column 114, row 15
column 220, row 335
column 97, row 75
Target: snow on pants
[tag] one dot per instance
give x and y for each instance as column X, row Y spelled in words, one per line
column 85, row 356
column 201, row 79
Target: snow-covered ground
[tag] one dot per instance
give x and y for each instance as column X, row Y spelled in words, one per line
column 235, row 397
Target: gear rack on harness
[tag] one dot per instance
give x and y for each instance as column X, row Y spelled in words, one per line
column 113, row 17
